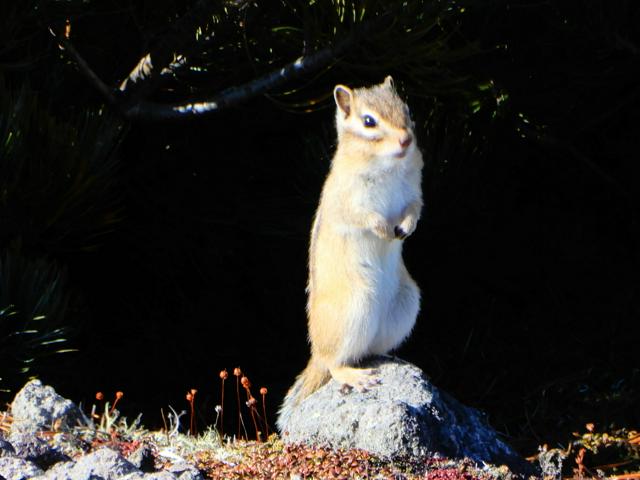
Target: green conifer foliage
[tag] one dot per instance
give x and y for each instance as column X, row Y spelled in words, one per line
column 35, row 301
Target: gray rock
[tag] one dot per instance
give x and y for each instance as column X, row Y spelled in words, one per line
column 14, row 468
column 6, row 449
column 150, row 476
column 37, row 407
column 35, row 449
column 176, row 471
column 142, row 458
column 185, row 471
column 405, row 416
column 103, row 464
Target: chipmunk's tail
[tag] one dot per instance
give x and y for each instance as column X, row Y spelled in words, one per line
column 311, row 379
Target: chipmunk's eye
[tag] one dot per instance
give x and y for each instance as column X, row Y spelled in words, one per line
column 369, row 121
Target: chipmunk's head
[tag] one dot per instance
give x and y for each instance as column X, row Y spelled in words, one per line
column 374, row 120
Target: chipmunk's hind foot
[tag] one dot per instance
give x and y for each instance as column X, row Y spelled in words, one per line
column 360, row 379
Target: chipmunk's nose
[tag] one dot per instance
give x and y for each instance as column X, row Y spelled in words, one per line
column 406, row 140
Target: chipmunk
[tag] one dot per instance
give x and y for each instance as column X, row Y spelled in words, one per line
column 361, row 299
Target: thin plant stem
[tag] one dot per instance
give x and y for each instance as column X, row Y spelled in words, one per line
column 263, row 392
column 119, row 395
column 237, row 372
column 222, row 411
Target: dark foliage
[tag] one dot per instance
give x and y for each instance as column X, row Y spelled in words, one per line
column 36, row 299
column 58, row 186
column 57, row 200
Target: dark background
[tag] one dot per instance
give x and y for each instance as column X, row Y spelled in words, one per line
column 181, row 246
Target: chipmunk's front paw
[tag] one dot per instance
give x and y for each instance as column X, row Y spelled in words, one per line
column 399, row 232
column 406, row 227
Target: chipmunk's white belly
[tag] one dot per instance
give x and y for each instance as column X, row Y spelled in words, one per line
column 374, row 266
column 375, row 261
column 386, row 194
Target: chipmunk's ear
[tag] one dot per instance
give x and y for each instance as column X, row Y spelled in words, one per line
column 344, row 99
column 388, row 82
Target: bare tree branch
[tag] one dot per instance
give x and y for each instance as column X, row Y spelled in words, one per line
column 237, row 94
column 133, row 107
column 106, row 91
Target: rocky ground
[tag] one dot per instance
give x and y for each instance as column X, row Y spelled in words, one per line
column 44, row 436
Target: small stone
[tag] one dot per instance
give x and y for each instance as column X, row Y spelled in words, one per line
column 103, row 464
column 14, row 468
column 150, row 476
column 6, row 449
column 37, row 407
column 185, row 471
column 30, row 447
column 142, row 458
